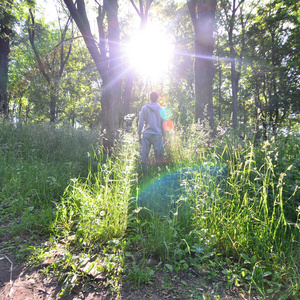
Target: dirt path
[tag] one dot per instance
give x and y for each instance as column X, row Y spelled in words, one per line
column 18, row 282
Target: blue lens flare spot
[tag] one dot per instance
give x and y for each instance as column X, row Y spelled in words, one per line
column 166, row 113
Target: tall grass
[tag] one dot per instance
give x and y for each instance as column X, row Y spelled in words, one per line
column 96, row 209
column 236, row 213
column 251, row 220
column 248, row 214
column 37, row 161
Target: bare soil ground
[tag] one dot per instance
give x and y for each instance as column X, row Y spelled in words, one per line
column 21, row 282
column 18, row 282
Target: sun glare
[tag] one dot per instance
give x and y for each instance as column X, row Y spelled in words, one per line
column 150, row 52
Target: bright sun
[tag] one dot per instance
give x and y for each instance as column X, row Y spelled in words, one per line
column 150, row 52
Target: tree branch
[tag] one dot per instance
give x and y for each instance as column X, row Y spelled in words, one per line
column 148, row 5
column 135, row 7
column 31, row 32
column 80, row 18
column 63, row 36
column 192, row 4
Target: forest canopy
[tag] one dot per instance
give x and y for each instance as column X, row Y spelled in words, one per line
column 90, row 64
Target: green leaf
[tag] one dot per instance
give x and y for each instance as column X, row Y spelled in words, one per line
column 169, row 267
column 253, row 259
column 246, row 258
column 267, row 273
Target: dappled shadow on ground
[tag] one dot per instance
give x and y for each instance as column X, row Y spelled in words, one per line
column 18, row 282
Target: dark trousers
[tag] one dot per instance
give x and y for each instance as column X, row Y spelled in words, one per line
column 156, row 141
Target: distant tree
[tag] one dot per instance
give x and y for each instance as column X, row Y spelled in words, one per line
column 272, row 40
column 181, row 81
column 52, row 67
column 6, row 20
column 222, row 101
column 202, row 13
column 81, row 90
column 10, row 13
column 230, row 9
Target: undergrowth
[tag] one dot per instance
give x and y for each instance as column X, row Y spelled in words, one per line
column 227, row 208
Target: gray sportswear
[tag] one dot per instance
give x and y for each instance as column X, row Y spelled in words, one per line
column 150, row 119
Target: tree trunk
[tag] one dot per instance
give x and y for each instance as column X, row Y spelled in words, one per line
column 202, row 13
column 234, row 86
column 234, row 81
column 106, row 59
column 235, row 74
column 110, row 103
column 220, row 92
column 204, row 73
column 53, row 102
column 4, row 55
column 111, row 93
column 127, row 92
column 51, row 75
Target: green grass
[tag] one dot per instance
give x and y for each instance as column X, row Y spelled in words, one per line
column 37, row 163
column 236, row 215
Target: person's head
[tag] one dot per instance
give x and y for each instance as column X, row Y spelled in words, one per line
column 154, row 96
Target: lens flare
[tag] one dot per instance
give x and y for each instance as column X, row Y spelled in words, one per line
column 166, row 113
column 150, row 52
column 164, row 193
column 168, row 125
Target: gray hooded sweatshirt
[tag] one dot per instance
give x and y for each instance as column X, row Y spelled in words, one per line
column 150, row 119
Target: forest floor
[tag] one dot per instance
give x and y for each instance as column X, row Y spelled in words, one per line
column 20, row 282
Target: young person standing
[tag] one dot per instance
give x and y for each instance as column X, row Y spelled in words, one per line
column 151, row 130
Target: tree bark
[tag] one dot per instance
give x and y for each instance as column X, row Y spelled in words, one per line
column 106, row 59
column 202, row 13
column 235, row 74
column 5, row 33
column 111, row 93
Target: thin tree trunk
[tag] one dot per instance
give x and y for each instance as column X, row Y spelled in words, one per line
column 53, row 102
column 234, row 85
column 4, row 55
column 53, row 75
column 220, row 91
column 127, row 92
column 235, row 75
column 202, row 13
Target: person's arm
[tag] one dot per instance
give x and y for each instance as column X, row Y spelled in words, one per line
column 164, row 132
column 141, row 124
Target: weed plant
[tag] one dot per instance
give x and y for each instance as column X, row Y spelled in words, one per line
column 37, row 162
column 96, row 209
column 254, row 220
column 236, row 214
column 243, row 222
